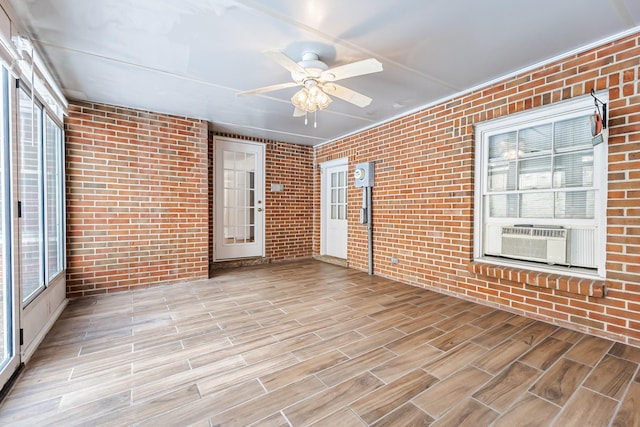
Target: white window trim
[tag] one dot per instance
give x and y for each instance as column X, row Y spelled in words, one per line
column 565, row 109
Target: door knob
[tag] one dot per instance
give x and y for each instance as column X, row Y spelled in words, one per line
column 259, row 209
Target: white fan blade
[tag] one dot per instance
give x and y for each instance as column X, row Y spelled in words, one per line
column 346, row 94
column 285, row 61
column 297, row 112
column 359, row 68
column 267, row 89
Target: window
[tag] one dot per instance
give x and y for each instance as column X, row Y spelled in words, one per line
column 30, row 183
column 541, row 190
column 55, row 197
column 239, row 197
column 339, row 195
column 6, row 290
column 41, row 192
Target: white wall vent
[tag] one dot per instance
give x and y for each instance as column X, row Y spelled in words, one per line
column 534, row 244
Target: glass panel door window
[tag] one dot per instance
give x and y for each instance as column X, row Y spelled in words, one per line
column 6, row 291
column 54, row 197
column 338, row 188
column 239, row 197
column 30, row 196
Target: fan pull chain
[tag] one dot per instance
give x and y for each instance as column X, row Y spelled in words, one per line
column 315, row 118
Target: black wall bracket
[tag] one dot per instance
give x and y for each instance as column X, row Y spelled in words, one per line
column 599, row 104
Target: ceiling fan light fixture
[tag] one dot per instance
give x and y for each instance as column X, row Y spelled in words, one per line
column 310, row 99
column 318, row 97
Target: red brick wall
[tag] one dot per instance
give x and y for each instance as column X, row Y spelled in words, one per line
column 136, row 199
column 289, row 225
column 423, row 199
column 288, row 214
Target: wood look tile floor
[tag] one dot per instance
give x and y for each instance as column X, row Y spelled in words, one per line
column 309, row 343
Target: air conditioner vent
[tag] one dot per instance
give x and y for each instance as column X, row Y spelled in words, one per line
column 534, row 244
column 535, row 232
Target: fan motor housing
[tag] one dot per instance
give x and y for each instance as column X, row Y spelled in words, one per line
column 312, row 64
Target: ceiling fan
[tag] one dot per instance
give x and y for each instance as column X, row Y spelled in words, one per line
column 317, row 81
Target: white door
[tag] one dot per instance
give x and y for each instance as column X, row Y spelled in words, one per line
column 239, row 199
column 334, row 208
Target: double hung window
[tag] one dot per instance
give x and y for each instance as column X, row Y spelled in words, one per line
column 541, row 189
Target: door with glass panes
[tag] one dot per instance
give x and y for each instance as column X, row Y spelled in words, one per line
column 239, row 199
column 334, row 212
column 9, row 295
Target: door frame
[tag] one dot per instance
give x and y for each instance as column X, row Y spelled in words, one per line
column 324, row 197
column 260, row 194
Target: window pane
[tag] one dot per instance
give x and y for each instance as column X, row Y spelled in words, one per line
column 252, row 179
column 536, row 205
column 53, row 153
column 573, row 170
column 230, row 198
column 6, row 292
column 503, row 146
column 228, row 179
column 573, row 134
column 251, row 202
column 502, row 176
column 229, row 160
column 503, row 206
column 250, row 163
column 535, row 173
column 241, row 179
column 575, row 205
column 32, row 278
column 535, row 140
column 229, row 234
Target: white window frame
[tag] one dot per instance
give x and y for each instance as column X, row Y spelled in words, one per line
column 40, row 113
column 562, row 110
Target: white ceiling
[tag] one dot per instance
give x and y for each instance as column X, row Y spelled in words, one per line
column 191, row 57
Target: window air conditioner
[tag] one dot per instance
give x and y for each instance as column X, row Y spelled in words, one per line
column 534, row 244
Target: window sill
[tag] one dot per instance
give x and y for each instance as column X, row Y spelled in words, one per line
column 575, row 285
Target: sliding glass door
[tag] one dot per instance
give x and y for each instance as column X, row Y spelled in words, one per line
column 31, row 200
column 31, row 215
column 8, row 321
